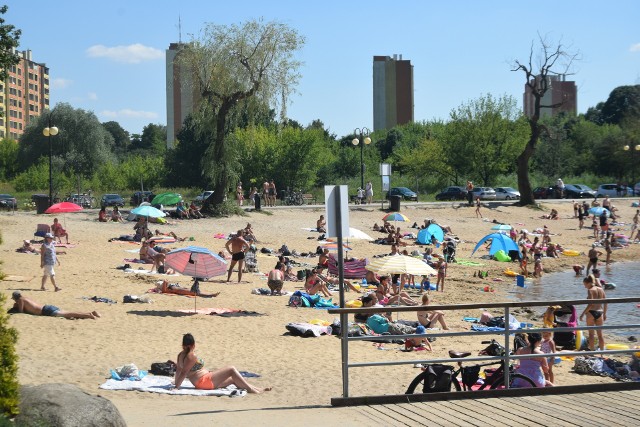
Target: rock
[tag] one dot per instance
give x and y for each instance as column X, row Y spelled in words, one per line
column 65, row 405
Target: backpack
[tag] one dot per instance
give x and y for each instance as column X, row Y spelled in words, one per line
column 519, row 341
column 437, row 378
column 378, row 323
column 167, row 369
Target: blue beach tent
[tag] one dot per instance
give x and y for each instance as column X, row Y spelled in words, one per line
column 499, row 241
column 424, row 235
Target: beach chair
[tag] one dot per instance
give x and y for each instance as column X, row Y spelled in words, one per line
column 42, row 229
column 251, row 262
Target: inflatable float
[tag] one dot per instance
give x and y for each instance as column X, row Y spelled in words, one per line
column 609, row 286
column 510, row 273
column 569, row 252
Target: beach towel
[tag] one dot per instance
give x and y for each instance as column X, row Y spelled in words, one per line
column 224, row 312
column 137, row 261
column 355, row 269
column 147, row 272
column 65, row 245
column 158, row 384
column 162, row 239
column 220, row 236
column 12, row 278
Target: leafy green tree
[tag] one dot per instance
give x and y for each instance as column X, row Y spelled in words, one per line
column 537, row 73
column 9, row 41
column 622, row 105
column 81, row 146
column 228, row 64
column 152, row 141
column 183, row 163
column 9, row 386
column 8, row 158
column 121, row 139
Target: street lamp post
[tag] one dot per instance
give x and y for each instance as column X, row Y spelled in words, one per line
column 364, row 140
column 50, row 131
column 633, row 163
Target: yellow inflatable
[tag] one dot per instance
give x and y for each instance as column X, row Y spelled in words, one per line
column 616, row 347
column 569, row 252
column 510, row 273
column 319, row 322
column 353, row 303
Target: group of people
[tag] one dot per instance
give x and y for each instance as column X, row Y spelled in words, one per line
column 114, row 215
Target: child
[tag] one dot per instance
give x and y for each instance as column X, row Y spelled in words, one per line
column 579, row 269
column 478, row 214
column 548, row 346
column 419, row 342
column 596, row 228
column 537, row 269
column 425, row 285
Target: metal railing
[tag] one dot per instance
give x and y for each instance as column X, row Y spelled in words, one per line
column 506, row 358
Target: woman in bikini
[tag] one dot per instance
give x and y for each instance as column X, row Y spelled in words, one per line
column 430, row 318
column 192, row 367
column 386, row 296
column 596, row 313
column 313, row 284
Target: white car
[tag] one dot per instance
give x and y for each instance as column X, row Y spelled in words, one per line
column 611, row 190
column 204, row 196
column 485, row 193
column 507, row 193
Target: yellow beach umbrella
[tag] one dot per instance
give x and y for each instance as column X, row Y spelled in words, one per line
column 400, row 264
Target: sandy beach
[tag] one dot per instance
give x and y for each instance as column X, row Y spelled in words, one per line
column 305, row 372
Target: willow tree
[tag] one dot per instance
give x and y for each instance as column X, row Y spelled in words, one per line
column 550, row 60
column 228, row 65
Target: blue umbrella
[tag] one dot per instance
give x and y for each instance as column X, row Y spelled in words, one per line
column 597, row 210
column 498, row 242
column 148, row 211
column 424, row 235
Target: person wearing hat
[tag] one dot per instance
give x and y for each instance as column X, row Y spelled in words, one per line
column 29, row 306
column 418, row 342
column 48, row 260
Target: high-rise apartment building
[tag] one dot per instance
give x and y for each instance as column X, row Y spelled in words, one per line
column 23, row 96
column 561, row 93
column 392, row 92
column 181, row 95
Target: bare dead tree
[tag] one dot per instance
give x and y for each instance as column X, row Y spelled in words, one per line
column 552, row 60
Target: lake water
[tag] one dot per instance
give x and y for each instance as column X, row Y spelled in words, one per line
column 566, row 286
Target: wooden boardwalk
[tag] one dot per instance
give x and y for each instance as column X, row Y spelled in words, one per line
column 612, row 408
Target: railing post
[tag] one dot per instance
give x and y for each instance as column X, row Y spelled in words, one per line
column 344, row 318
column 506, row 347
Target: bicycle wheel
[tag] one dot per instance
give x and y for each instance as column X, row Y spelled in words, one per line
column 299, row 200
column 523, row 379
column 420, row 383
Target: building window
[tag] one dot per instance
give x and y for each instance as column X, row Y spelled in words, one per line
column 1, row 134
column 20, row 115
column 31, row 107
column 1, row 121
column 19, row 71
column 19, row 82
column 19, row 126
column 19, row 104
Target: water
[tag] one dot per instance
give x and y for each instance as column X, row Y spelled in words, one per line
column 566, row 286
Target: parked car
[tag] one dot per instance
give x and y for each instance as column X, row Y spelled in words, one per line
column 544, row 192
column 7, row 201
column 507, row 193
column 403, row 192
column 613, row 190
column 636, row 189
column 111, row 200
column 204, row 196
column 485, row 193
column 578, row 191
column 141, row 196
column 452, row 193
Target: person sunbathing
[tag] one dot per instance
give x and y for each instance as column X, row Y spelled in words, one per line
column 28, row 248
column 149, row 254
column 335, row 281
column 321, row 225
column 173, row 288
column 29, row 306
column 430, row 318
column 313, row 284
column 58, row 231
column 102, row 215
column 387, row 297
column 171, row 234
column 249, row 235
column 323, row 260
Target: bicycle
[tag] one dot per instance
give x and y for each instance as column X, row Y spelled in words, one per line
column 294, row 197
column 86, row 200
column 469, row 375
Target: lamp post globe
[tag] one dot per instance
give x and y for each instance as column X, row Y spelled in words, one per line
column 364, row 139
column 50, row 131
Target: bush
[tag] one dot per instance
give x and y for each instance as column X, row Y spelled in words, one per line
column 9, row 387
column 227, row 208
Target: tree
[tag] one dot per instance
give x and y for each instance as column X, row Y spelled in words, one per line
column 623, row 105
column 229, row 64
column 121, row 139
column 538, row 73
column 8, row 157
column 9, row 41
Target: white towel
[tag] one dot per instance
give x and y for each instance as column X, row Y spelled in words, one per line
column 160, row 384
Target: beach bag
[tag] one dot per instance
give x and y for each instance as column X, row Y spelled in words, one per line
column 302, row 274
column 519, row 341
column 284, row 250
column 587, row 365
column 295, row 301
column 470, row 375
column 167, row 369
column 378, row 323
column 437, row 378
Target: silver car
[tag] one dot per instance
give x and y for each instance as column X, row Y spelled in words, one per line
column 507, row 193
column 485, row 193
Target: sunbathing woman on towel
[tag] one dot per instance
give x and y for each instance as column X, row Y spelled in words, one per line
column 167, row 288
column 192, row 367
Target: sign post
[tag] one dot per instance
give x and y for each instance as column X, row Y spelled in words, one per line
column 385, row 174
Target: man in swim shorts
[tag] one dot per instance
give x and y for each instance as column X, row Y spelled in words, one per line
column 29, row 306
column 237, row 246
column 593, row 258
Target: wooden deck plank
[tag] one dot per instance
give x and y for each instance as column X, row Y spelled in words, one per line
column 471, row 407
column 580, row 412
column 540, row 416
column 404, row 414
column 598, row 404
column 432, row 412
column 467, row 417
column 613, row 402
column 381, row 417
column 501, row 411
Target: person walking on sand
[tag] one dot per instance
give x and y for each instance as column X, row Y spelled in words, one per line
column 368, row 192
column 272, row 194
column 478, row 214
column 48, row 260
column 29, row 306
column 442, row 273
column 237, row 247
column 593, row 258
column 469, row 188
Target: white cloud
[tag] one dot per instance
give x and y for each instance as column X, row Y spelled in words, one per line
column 92, row 96
column 635, row 47
column 60, row 83
column 129, row 114
column 132, row 54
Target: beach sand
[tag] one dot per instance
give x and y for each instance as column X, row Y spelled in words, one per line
column 305, row 372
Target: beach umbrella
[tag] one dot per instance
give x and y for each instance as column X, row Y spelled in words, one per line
column 354, row 233
column 400, row 264
column 196, row 261
column 433, row 230
column 502, row 227
column 63, row 207
column 333, row 246
column 597, row 210
column 166, row 199
column 395, row 216
column 499, row 241
column 148, row 211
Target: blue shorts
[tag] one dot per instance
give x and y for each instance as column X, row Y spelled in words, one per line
column 49, row 310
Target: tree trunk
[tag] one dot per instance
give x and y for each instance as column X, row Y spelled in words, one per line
column 221, row 184
column 522, row 163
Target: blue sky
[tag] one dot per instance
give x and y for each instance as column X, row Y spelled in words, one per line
column 109, row 56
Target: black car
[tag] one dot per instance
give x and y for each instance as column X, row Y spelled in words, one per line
column 111, row 200
column 141, row 196
column 578, row 191
column 544, row 192
column 403, row 192
column 7, row 201
column 452, row 193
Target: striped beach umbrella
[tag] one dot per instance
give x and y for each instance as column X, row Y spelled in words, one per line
column 395, row 216
column 400, row 264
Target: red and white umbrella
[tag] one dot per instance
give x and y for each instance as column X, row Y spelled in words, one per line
column 63, row 207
